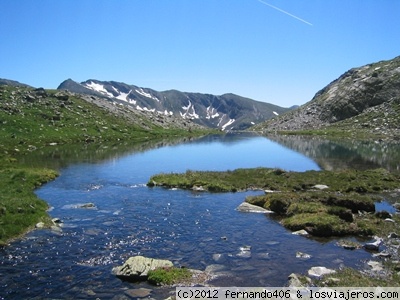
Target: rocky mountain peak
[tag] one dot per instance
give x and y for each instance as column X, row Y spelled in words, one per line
column 353, row 93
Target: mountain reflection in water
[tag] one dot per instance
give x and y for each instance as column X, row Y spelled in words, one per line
column 196, row 230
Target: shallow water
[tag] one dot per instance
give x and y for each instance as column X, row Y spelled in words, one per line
column 192, row 229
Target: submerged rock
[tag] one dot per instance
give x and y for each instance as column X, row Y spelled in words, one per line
column 349, row 245
column 302, row 255
column 87, row 205
column 138, row 293
column 244, row 252
column 136, row 268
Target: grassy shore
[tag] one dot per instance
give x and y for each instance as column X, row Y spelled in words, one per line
column 32, row 120
column 325, row 203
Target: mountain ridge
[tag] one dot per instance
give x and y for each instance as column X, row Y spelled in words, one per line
column 360, row 98
column 225, row 112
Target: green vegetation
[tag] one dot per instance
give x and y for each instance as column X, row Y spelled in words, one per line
column 296, row 198
column 33, row 119
column 370, row 181
column 353, row 278
column 20, row 209
column 168, row 276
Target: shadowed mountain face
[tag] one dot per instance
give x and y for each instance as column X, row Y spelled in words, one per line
column 225, row 112
column 360, row 91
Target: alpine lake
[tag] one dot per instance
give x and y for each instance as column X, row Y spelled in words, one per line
column 193, row 229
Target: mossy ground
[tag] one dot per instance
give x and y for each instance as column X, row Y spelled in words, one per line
column 169, row 276
column 330, row 212
column 352, row 278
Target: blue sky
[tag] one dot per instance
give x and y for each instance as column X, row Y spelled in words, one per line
column 276, row 51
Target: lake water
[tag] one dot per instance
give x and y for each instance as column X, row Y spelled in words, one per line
column 191, row 229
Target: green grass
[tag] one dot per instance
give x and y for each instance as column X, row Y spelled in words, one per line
column 352, row 278
column 31, row 121
column 330, row 212
column 370, row 181
column 168, row 276
column 20, row 209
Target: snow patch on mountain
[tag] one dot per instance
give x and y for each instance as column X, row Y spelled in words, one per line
column 211, row 113
column 143, row 93
column 98, row 88
column 275, row 113
column 165, row 112
column 123, row 96
column 190, row 112
column 230, row 122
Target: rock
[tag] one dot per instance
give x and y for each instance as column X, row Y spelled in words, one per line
column 61, row 96
column 383, row 214
column 247, row 207
column 39, row 225
column 30, row 98
column 294, row 281
column 393, row 235
column 300, row 232
column 389, row 220
column 382, row 254
column 136, row 268
column 40, row 92
column 375, row 265
column 320, row 271
column 270, row 191
column 56, row 229
column 217, row 256
column 138, row 293
column 320, row 187
column 56, row 221
column 302, row 255
column 397, row 206
column 374, row 246
column 86, row 205
column 244, row 252
column 349, row 245
column 198, row 188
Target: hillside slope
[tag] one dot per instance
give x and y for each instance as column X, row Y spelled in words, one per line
column 364, row 97
column 225, row 112
column 31, row 118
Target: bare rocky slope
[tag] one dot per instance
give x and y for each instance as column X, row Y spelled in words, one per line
column 363, row 97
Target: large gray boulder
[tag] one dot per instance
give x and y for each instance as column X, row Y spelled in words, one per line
column 136, row 268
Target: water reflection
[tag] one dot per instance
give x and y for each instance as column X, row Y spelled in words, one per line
column 346, row 153
column 61, row 156
column 186, row 227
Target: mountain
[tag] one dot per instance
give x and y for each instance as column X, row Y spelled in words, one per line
column 363, row 97
column 225, row 112
column 12, row 83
